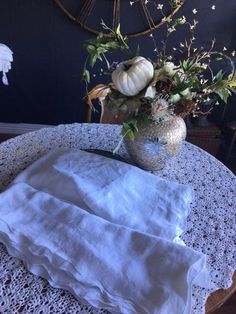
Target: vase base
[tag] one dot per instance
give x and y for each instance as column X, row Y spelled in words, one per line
column 147, row 163
column 147, row 168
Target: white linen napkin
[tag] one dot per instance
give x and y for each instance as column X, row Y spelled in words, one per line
column 103, row 263
column 116, row 191
column 47, row 221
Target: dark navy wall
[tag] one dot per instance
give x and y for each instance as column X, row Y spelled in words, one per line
column 45, row 82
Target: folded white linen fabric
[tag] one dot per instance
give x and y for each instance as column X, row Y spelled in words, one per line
column 103, row 230
column 111, row 189
column 105, row 264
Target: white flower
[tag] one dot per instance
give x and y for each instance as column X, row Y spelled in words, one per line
column 159, row 6
column 233, row 53
column 175, row 98
column 150, row 92
column 171, row 29
column 194, row 11
column 185, row 92
column 224, row 49
column 166, row 19
column 182, row 20
column 213, row 7
column 203, row 81
column 204, row 66
column 169, row 68
column 178, row 2
column 193, row 26
column 5, row 61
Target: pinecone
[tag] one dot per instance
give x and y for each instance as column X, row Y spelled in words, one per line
column 164, row 87
column 184, row 107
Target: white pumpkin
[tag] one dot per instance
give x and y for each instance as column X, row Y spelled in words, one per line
column 131, row 76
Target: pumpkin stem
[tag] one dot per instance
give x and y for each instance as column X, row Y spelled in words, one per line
column 127, row 67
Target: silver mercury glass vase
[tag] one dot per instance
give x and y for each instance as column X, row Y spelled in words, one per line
column 155, row 144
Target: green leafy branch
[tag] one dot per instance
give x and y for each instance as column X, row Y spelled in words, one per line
column 98, row 47
column 223, row 87
column 131, row 127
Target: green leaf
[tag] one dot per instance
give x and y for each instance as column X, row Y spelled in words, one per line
column 177, row 77
column 131, row 135
column 118, row 30
column 219, row 76
column 93, row 59
column 181, row 87
column 129, row 129
column 125, row 129
column 224, row 94
column 138, row 51
column 232, row 84
column 90, row 48
column 86, row 76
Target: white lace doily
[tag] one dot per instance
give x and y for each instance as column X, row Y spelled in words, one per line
column 210, row 227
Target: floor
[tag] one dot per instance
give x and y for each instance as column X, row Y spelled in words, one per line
column 230, row 306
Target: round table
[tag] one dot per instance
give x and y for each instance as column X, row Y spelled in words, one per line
column 210, row 225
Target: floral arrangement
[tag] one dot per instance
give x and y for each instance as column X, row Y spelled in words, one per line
column 151, row 90
column 5, row 61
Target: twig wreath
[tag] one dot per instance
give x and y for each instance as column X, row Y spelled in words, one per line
column 90, row 5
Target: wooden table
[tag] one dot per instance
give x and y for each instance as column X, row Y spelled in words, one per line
column 218, row 298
